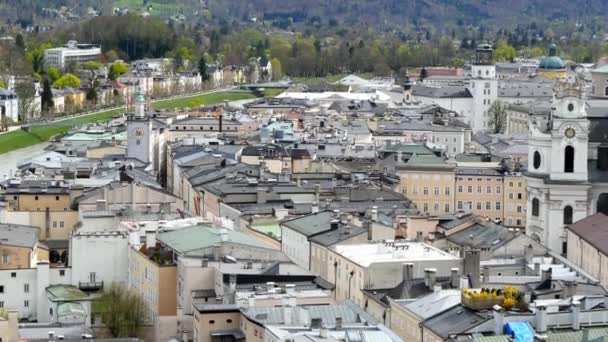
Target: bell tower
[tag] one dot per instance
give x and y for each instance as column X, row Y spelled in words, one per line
column 483, row 86
column 139, row 131
column 569, row 131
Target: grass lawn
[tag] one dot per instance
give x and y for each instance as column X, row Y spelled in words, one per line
column 19, row 139
column 272, row 92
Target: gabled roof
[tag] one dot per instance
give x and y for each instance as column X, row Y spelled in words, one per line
column 593, row 230
column 18, row 235
column 312, row 224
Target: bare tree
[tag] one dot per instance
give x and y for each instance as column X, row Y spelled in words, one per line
column 498, row 116
column 29, row 108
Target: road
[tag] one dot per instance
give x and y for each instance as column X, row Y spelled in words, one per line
column 70, row 117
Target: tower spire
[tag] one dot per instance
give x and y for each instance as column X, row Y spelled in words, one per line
column 140, row 103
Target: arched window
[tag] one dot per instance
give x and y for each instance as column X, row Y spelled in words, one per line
column 535, row 207
column 567, row 214
column 569, row 159
column 606, row 91
column 536, row 160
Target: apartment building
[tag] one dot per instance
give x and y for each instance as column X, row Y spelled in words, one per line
column 480, row 191
column 20, row 248
column 428, row 181
column 515, row 201
column 376, row 265
column 43, row 204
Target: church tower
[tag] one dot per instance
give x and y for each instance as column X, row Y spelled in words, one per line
column 557, row 173
column 139, row 131
column 483, row 86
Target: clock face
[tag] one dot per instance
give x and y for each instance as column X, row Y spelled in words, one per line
column 570, row 133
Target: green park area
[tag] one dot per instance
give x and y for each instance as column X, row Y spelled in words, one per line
column 38, row 134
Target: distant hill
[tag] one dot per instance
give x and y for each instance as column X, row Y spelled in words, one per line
column 386, row 13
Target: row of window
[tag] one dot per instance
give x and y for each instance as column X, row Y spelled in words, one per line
column 567, row 211
column 211, row 128
column 425, row 207
column 26, row 288
column 26, row 304
column 479, row 189
column 479, row 206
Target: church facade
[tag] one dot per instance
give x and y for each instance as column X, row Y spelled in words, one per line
column 567, row 174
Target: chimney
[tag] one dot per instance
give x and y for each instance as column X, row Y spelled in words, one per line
column 529, row 254
column 323, row 332
column 314, row 208
column 570, row 288
column 269, row 286
column 541, row 319
column 499, row 320
column 430, row 277
column 100, row 205
column 537, row 268
column 338, row 323
column 334, row 225
column 464, row 282
column 204, row 263
column 408, row 271
column 261, row 195
column 471, row 267
column 546, row 274
column 367, row 225
column 374, row 216
column 231, row 298
column 486, row 274
column 317, row 192
column 262, row 169
column 437, row 288
column 150, row 239
column 290, row 289
column 288, row 306
column 576, row 315
column 454, row 278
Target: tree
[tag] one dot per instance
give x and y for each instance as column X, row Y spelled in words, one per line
column 36, row 57
column 122, row 311
column 504, row 51
column 202, row 69
column 92, row 65
column 19, row 41
column 91, row 95
column 2, row 84
column 26, row 100
column 46, row 98
column 53, row 74
column 498, row 116
column 423, row 74
column 111, row 56
column 67, row 80
column 117, row 69
column 277, row 69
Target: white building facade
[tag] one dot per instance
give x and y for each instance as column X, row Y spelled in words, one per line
column 567, row 167
column 71, row 53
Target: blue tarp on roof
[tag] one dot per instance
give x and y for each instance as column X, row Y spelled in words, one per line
column 521, row 331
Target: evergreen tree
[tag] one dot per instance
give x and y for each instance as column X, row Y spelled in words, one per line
column 202, row 69
column 423, row 74
column 46, row 98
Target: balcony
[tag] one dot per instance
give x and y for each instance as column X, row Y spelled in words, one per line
column 90, row 285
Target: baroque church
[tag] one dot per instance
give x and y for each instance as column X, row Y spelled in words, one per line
column 567, row 172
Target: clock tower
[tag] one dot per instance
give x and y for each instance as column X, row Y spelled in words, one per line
column 557, row 175
column 139, row 131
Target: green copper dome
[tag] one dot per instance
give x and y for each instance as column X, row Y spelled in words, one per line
column 552, row 62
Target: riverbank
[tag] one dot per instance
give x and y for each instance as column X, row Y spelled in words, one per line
column 19, row 139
